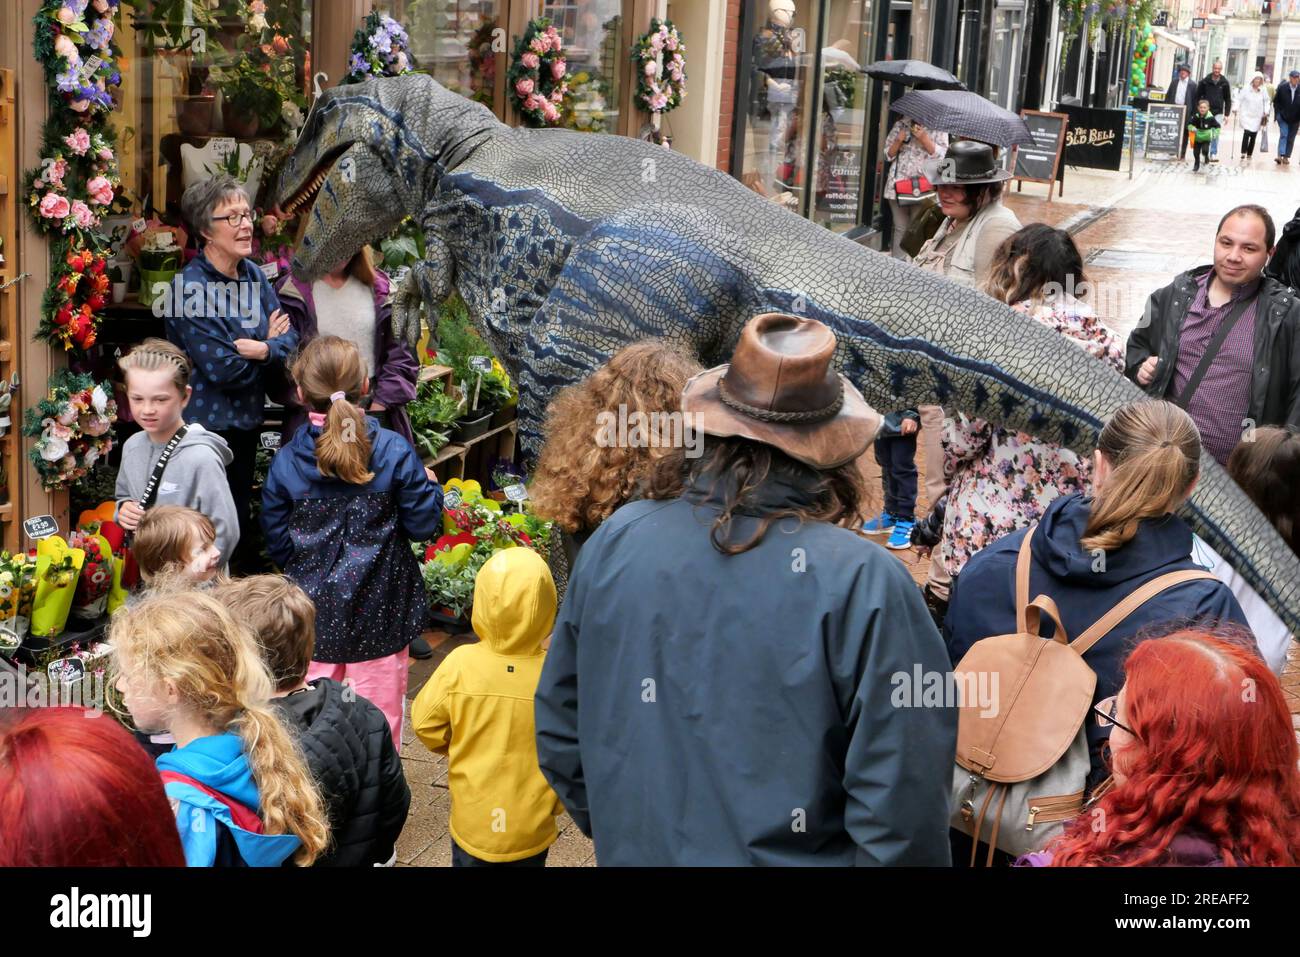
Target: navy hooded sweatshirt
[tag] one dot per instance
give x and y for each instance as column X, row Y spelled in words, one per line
column 982, row 601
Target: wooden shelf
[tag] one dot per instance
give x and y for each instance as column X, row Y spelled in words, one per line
column 447, row 452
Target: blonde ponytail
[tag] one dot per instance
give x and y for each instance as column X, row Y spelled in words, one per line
column 187, row 637
column 331, row 376
column 290, row 801
column 1154, row 451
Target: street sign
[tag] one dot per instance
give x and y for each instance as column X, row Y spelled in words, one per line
column 1095, row 138
column 1041, row 162
column 1164, row 131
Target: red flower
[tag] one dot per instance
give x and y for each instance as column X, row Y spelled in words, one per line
column 96, row 301
column 64, row 315
column 97, row 266
column 451, row 541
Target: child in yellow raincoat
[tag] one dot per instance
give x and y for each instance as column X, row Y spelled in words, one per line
column 478, row 710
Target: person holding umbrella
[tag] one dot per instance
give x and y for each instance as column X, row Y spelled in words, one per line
column 909, row 145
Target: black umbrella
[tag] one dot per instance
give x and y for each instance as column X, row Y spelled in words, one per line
column 961, row 113
column 913, row 73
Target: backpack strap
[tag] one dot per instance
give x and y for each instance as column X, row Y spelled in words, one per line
column 241, row 814
column 1130, row 604
column 1023, row 561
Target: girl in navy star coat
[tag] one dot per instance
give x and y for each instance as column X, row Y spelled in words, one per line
column 341, row 505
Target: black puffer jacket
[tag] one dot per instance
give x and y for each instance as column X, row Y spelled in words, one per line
column 350, row 750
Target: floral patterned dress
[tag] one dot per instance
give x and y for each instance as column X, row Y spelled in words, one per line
column 999, row 480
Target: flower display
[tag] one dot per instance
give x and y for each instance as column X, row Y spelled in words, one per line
column 475, row 529
column 72, row 426
column 660, row 58
column 380, row 47
column 96, row 574
column 538, row 75
column 77, row 180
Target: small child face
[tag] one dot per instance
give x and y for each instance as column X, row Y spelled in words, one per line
column 205, row 559
column 144, row 697
column 1203, row 108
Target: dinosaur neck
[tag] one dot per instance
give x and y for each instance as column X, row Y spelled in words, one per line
column 450, row 127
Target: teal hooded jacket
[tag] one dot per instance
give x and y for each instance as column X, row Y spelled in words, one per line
column 218, row 768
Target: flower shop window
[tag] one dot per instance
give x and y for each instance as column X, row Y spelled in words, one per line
column 457, row 43
column 211, row 86
column 596, row 51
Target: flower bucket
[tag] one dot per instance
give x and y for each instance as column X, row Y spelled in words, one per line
column 149, row 278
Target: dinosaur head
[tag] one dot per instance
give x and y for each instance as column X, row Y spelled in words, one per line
column 368, row 153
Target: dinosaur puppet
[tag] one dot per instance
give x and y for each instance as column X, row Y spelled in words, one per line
column 567, row 246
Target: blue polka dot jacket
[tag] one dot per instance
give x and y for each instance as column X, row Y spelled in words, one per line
column 207, row 311
column 348, row 546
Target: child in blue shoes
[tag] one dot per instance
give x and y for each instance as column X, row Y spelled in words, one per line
column 896, row 453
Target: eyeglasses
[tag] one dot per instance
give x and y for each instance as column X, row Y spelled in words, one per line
column 1105, row 711
column 234, row 219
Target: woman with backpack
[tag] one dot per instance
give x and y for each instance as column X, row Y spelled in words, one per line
column 1089, row 554
column 1204, row 774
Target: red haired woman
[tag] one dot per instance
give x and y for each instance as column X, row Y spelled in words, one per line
column 1204, row 763
column 77, row 791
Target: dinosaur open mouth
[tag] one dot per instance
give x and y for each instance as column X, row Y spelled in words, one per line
column 304, row 197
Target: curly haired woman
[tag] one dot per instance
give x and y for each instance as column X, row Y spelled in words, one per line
column 592, row 462
column 1204, row 763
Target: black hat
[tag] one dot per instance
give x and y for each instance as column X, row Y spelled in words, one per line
column 967, row 163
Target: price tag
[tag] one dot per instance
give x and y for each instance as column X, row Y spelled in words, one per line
column 451, row 498
column 222, row 146
column 271, row 269
column 90, row 67
column 40, row 526
column 516, row 493
column 139, row 225
column 66, row 671
column 481, row 364
column 271, row 440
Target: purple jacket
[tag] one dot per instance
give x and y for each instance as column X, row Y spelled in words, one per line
column 396, row 369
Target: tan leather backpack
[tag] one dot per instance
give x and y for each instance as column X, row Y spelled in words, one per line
column 1022, row 753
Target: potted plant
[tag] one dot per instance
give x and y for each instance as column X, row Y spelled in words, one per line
column 259, row 86
column 160, row 261
column 432, row 415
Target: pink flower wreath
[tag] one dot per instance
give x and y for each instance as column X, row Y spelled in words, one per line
column 538, row 77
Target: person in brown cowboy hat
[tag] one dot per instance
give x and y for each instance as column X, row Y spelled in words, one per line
column 722, row 686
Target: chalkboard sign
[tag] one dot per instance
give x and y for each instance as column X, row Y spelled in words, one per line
column 41, row 526
column 1041, row 162
column 1095, row 139
column 1164, row 131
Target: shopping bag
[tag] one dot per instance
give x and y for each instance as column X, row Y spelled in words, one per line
column 1263, row 139
column 57, row 568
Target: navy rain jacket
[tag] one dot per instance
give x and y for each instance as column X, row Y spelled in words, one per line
column 982, row 602
column 698, row 708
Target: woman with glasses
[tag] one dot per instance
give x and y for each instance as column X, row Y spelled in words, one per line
column 1203, row 758
column 229, row 322
column 1091, row 553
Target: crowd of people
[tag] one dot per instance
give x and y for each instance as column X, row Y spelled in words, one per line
column 706, row 669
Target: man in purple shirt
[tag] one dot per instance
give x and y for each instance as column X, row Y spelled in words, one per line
column 1244, row 321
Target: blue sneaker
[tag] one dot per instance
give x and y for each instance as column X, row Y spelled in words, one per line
column 880, row 525
column 901, row 537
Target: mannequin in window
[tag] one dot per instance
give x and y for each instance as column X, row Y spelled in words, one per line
column 775, row 86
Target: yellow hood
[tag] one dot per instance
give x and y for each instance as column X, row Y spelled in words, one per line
column 514, row 602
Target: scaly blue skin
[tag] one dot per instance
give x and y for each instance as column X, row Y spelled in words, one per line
column 568, row 246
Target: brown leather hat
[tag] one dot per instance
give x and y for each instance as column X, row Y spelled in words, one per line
column 782, row 389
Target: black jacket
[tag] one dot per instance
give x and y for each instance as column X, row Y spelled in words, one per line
column 1286, row 103
column 1275, row 390
column 1284, row 265
column 1190, row 101
column 1218, row 92
column 349, row 748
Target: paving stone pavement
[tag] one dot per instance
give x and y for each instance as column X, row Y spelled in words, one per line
column 1135, row 236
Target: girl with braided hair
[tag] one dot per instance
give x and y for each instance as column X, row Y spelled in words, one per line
column 193, row 472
